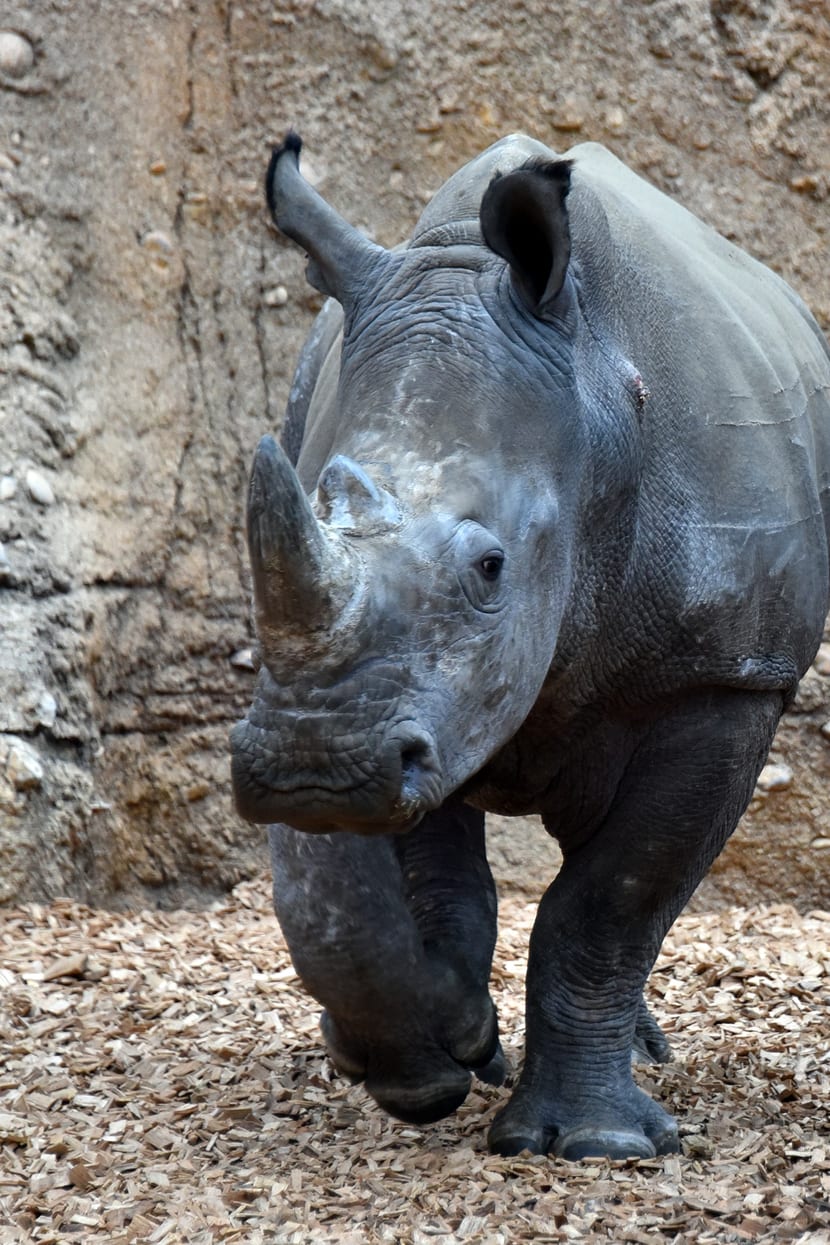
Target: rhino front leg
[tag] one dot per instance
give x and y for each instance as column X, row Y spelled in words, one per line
column 394, row 939
column 449, row 890
column 601, row 923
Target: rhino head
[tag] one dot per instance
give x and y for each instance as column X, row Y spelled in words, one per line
column 411, row 573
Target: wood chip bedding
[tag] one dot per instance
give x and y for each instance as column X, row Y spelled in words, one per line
column 163, row 1081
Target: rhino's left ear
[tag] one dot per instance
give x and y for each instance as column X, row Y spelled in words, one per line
column 340, row 257
column 524, row 219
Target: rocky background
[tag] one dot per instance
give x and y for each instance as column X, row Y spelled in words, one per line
column 149, row 321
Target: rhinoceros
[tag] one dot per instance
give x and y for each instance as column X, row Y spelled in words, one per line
column 547, row 533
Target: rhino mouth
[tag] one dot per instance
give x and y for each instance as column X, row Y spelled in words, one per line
column 383, row 790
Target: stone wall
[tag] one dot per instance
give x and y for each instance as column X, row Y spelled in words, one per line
column 149, row 322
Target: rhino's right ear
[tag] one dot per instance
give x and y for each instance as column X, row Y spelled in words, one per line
column 524, row 219
column 340, row 257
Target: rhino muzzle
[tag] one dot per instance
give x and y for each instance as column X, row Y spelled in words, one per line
column 375, row 786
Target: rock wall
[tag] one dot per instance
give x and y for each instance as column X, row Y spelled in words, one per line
column 149, row 322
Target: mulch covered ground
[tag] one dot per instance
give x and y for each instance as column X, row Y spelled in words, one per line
column 162, row 1081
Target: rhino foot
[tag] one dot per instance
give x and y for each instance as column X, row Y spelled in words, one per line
column 634, row 1129
column 494, row 1072
column 348, row 1058
column 439, row 1091
column 417, row 1083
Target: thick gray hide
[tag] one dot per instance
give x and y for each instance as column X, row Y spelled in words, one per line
column 582, row 545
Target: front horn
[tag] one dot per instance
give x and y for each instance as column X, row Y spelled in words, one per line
column 302, row 578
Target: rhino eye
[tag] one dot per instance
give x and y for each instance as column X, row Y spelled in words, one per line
column 479, row 565
column 490, row 566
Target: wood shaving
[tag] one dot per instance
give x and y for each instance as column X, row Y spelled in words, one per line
column 163, row 1081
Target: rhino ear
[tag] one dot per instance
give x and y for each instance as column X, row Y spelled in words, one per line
column 524, row 219
column 340, row 257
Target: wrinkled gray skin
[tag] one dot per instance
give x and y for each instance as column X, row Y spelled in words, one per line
column 556, row 542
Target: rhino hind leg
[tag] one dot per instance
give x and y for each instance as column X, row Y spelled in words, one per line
column 650, row 1043
column 394, row 936
column 602, row 921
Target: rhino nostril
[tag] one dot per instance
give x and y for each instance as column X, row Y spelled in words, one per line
column 412, row 755
column 415, row 755
column 419, row 777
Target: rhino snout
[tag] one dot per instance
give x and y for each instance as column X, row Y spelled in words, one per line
column 376, row 787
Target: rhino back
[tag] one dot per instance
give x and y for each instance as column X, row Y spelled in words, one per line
column 735, row 488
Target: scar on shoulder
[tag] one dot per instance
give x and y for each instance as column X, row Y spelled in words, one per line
column 637, row 385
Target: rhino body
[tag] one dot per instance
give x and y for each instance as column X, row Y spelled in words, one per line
column 548, row 533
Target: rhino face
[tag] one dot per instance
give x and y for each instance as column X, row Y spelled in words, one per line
column 369, row 714
column 407, row 607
